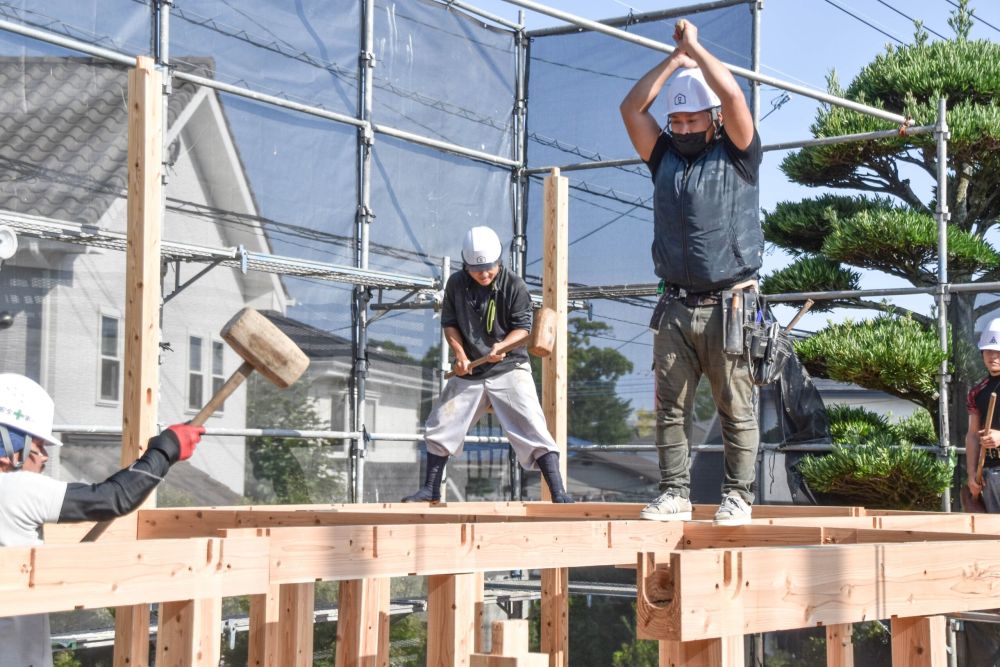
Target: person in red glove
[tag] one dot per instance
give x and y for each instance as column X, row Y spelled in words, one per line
column 29, row 499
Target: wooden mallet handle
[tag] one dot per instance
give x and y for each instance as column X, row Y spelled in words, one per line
column 982, row 450
column 214, row 403
column 798, row 316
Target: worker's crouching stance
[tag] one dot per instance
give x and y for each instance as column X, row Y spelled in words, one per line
column 29, row 499
column 487, row 313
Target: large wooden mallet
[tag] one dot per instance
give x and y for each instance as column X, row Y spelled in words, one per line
column 264, row 348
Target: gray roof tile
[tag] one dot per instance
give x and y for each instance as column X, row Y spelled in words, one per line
column 63, row 134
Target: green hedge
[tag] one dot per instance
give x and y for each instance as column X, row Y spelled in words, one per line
column 874, row 463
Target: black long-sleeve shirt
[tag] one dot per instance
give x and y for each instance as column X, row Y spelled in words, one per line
column 465, row 308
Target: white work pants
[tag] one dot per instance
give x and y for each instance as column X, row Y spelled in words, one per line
column 515, row 403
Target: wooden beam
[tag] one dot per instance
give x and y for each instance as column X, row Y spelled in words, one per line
column 296, row 603
column 722, row 652
column 357, row 552
column 142, row 322
column 919, row 641
column 91, row 575
column 555, row 295
column 509, row 647
column 840, row 645
column 132, row 635
column 555, row 616
column 363, row 623
column 264, row 639
column 707, row 536
column 555, row 400
column 529, row 660
column 451, row 619
column 189, row 633
column 705, row 594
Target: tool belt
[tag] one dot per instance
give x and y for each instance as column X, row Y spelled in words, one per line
column 692, row 299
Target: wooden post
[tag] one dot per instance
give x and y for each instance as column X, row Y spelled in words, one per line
column 509, row 647
column 839, row 645
column 263, row 643
column 723, row 652
column 189, row 633
column 555, row 295
column 919, row 641
column 142, row 322
column 450, row 619
column 363, row 623
column 295, row 625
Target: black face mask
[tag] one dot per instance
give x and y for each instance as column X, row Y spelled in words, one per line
column 690, row 144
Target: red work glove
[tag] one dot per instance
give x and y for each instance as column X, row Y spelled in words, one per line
column 188, row 436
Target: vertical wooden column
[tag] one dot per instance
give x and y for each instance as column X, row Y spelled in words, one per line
column 363, row 623
column 265, row 610
column 839, row 645
column 722, row 652
column 451, row 619
column 555, row 295
column 478, row 609
column 296, row 603
column 142, row 322
column 189, row 633
column 919, row 641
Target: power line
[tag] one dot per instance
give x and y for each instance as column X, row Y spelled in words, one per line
column 867, row 23
column 906, row 16
column 974, row 15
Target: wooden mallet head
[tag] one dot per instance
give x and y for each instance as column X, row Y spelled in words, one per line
column 264, row 348
column 543, row 332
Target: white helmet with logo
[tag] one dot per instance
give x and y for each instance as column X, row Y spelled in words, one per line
column 481, row 249
column 688, row 92
column 990, row 338
column 25, row 411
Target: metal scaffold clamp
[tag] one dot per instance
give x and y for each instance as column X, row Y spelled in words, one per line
column 244, row 259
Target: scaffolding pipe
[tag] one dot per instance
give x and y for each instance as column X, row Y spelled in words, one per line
column 943, row 216
column 443, row 364
column 67, row 43
column 644, row 17
column 739, row 71
column 359, row 330
column 802, row 143
column 445, row 146
column 755, row 8
column 518, row 179
column 499, row 20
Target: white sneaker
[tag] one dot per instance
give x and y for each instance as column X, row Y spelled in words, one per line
column 667, row 507
column 734, row 511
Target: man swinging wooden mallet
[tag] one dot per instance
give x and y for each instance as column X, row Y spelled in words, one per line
column 486, row 314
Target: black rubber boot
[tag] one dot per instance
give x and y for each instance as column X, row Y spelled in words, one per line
column 549, row 465
column 431, row 490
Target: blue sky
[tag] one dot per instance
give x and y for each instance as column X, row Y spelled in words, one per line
column 802, row 40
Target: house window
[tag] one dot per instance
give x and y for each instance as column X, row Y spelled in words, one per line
column 196, row 376
column 218, row 379
column 111, row 363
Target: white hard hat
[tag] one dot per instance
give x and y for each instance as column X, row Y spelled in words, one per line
column 481, row 249
column 990, row 338
column 26, row 410
column 687, row 91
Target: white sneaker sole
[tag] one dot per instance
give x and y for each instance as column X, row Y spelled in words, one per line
column 659, row 516
column 742, row 521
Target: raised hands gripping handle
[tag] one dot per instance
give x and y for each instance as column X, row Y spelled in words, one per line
column 475, row 364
